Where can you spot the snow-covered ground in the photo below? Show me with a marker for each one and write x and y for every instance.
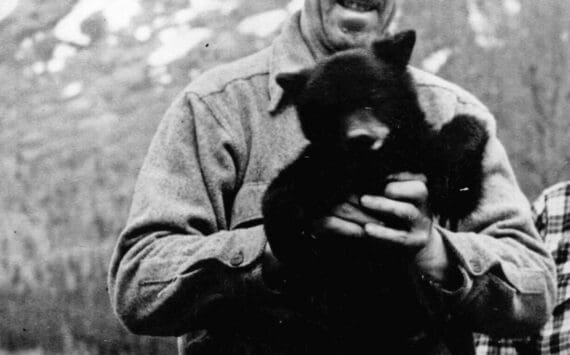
(176, 43)
(512, 7)
(484, 25)
(436, 60)
(176, 38)
(6, 8)
(263, 24)
(117, 13)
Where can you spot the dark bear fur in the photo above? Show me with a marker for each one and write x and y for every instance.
(373, 81)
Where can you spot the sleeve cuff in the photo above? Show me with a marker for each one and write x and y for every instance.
(243, 248)
(444, 300)
(465, 283)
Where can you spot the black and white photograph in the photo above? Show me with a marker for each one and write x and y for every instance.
(285, 177)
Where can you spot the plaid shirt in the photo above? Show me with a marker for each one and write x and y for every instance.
(552, 218)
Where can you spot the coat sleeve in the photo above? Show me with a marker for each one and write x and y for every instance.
(178, 260)
(508, 276)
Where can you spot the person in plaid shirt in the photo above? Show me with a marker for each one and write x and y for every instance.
(552, 219)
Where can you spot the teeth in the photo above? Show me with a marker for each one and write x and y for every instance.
(357, 5)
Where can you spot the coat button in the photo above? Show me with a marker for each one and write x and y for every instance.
(476, 266)
(237, 259)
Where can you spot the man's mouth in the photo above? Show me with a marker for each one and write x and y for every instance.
(359, 5)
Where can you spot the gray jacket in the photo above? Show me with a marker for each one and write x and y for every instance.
(189, 260)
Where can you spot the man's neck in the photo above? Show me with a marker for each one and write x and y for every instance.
(313, 32)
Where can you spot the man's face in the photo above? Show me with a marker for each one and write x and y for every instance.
(354, 23)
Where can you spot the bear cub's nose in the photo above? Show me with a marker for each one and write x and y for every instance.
(364, 142)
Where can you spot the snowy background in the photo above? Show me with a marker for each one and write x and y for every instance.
(84, 84)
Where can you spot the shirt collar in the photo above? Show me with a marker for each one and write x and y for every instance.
(290, 54)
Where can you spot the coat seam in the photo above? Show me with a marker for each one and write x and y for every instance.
(224, 88)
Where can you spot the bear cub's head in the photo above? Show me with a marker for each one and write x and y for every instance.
(361, 104)
(359, 109)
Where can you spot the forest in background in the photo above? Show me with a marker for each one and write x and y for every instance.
(83, 90)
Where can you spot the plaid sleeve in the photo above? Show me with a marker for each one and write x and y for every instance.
(552, 219)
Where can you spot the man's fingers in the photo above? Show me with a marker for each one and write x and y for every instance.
(414, 191)
(337, 227)
(389, 208)
(353, 213)
(407, 176)
(392, 235)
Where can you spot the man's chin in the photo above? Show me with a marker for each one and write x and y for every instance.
(349, 28)
(341, 40)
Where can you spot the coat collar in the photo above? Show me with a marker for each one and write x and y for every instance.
(291, 53)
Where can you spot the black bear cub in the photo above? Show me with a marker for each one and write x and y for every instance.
(359, 110)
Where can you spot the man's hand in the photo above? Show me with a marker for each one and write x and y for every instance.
(401, 216)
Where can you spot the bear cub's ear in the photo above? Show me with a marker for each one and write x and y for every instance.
(293, 83)
(396, 49)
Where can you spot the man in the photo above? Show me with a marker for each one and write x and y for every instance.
(193, 259)
(552, 218)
